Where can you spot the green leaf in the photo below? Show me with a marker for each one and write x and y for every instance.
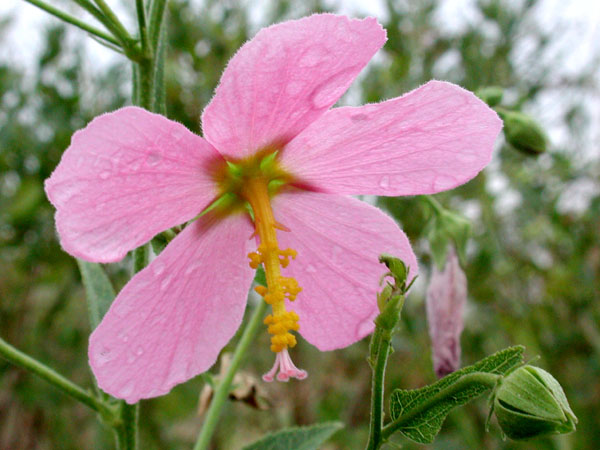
(98, 289)
(298, 438)
(425, 426)
(260, 278)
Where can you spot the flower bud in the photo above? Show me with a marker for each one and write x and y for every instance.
(523, 133)
(492, 95)
(530, 403)
(446, 300)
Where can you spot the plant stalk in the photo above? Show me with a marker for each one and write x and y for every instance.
(222, 391)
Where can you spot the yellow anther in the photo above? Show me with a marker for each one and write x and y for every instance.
(261, 290)
(255, 259)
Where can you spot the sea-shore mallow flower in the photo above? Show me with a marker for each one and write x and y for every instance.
(277, 163)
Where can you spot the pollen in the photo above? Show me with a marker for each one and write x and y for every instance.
(279, 288)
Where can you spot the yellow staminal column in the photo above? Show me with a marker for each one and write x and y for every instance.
(279, 288)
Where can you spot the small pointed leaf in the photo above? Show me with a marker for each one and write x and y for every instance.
(98, 289)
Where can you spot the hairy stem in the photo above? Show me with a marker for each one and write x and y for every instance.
(18, 358)
(380, 351)
(216, 405)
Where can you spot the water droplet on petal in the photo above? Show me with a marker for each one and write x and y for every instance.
(102, 356)
(359, 117)
(139, 351)
(332, 89)
(165, 283)
(158, 268)
(153, 159)
(443, 182)
(311, 269)
(127, 390)
(104, 175)
(312, 57)
(384, 182)
(135, 165)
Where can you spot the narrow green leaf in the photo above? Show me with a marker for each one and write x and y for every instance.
(298, 438)
(98, 289)
(260, 277)
(425, 426)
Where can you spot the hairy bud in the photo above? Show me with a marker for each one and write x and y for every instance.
(446, 300)
(530, 403)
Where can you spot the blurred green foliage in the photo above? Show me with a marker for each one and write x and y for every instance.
(533, 263)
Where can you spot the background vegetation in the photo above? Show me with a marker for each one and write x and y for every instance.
(533, 260)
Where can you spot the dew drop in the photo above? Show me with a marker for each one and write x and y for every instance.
(139, 351)
(443, 182)
(312, 57)
(165, 283)
(135, 165)
(153, 159)
(384, 182)
(358, 117)
(104, 175)
(103, 356)
(311, 269)
(158, 268)
(127, 390)
(331, 90)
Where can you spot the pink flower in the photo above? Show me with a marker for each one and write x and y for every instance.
(271, 141)
(446, 301)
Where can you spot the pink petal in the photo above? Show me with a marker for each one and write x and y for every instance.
(285, 78)
(125, 177)
(434, 138)
(170, 322)
(339, 240)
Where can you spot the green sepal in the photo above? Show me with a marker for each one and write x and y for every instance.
(297, 438)
(426, 425)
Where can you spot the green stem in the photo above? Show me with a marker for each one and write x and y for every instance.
(112, 17)
(216, 405)
(18, 358)
(437, 207)
(141, 14)
(381, 339)
(74, 21)
(157, 12)
(487, 379)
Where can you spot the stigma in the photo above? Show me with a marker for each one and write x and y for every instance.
(281, 323)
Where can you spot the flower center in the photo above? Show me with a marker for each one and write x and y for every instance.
(279, 288)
